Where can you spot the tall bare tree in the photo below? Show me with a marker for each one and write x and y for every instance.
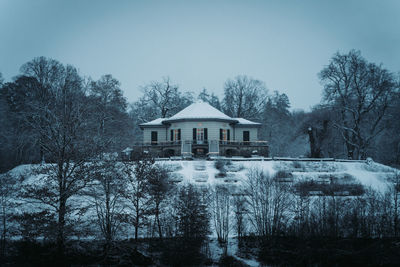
(220, 210)
(361, 93)
(137, 190)
(108, 107)
(61, 124)
(106, 192)
(158, 189)
(244, 97)
(165, 97)
(7, 192)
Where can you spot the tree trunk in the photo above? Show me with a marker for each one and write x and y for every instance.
(3, 235)
(137, 224)
(158, 222)
(60, 230)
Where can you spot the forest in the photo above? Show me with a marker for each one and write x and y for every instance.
(72, 128)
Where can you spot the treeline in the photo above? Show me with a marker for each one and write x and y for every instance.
(357, 117)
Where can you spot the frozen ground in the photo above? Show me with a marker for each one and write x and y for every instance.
(369, 174)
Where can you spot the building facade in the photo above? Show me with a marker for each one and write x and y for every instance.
(201, 130)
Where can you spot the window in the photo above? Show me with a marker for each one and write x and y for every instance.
(224, 135)
(175, 135)
(200, 135)
(246, 136)
(154, 137)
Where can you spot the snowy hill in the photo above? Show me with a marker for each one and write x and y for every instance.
(369, 174)
(311, 178)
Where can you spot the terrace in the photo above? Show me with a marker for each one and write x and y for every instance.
(196, 148)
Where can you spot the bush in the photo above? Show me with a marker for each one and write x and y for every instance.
(283, 174)
(230, 261)
(246, 154)
(353, 189)
(220, 164)
(297, 165)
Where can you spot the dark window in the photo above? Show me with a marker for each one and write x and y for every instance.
(220, 134)
(154, 137)
(179, 134)
(229, 135)
(172, 135)
(194, 134)
(205, 134)
(246, 136)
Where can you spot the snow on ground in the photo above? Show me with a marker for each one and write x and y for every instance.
(369, 174)
(204, 173)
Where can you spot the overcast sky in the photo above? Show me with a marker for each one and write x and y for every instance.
(200, 44)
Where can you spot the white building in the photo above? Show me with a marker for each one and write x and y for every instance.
(201, 129)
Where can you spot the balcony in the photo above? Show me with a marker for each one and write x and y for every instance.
(203, 142)
(202, 148)
(244, 143)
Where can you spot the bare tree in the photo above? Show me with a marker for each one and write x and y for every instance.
(258, 188)
(269, 202)
(61, 124)
(240, 210)
(159, 189)
(244, 97)
(137, 190)
(361, 93)
(220, 210)
(106, 192)
(165, 97)
(7, 192)
(108, 107)
(46, 73)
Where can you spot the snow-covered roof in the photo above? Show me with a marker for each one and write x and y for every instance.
(199, 110)
(246, 122)
(156, 122)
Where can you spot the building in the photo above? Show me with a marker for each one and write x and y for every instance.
(201, 130)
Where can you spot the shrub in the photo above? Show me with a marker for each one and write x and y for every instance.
(283, 174)
(353, 189)
(297, 165)
(219, 164)
(221, 174)
(230, 261)
(246, 154)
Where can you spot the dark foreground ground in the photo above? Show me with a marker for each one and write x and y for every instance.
(272, 252)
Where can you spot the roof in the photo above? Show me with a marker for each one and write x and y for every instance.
(246, 122)
(156, 122)
(199, 110)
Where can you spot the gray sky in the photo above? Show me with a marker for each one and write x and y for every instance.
(200, 43)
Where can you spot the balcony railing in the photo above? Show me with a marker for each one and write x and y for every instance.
(203, 142)
(243, 143)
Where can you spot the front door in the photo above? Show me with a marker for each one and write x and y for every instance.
(246, 137)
